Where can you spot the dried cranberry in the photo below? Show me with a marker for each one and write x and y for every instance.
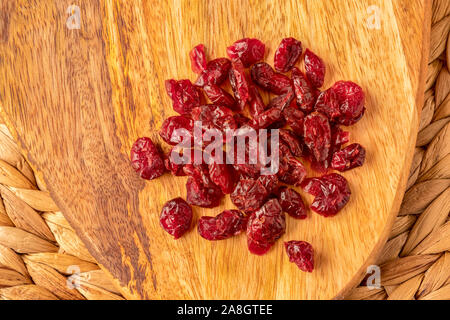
(291, 171)
(146, 159)
(174, 128)
(331, 193)
(219, 96)
(249, 195)
(304, 92)
(265, 226)
(315, 69)
(264, 76)
(350, 97)
(301, 253)
(240, 120)
(257, 105)
(248, 50)
(292, 141)
(198, 58)
(199, 194)
(294, 119)
(215, 73)
(327, 104)
(239, 83)
(176, 217)
(176, 167)
(287, 54)
(291, 202)
(184, 95)
(222, 175)
(273, 113)
(270, 182)
(348, 158)
(214, 117)
(317, 135)
(225, 225)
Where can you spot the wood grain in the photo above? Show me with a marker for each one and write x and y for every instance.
(77, 99)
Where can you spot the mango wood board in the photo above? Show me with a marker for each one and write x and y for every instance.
(76, 99)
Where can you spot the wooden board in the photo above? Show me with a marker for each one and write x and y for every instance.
(77, 99)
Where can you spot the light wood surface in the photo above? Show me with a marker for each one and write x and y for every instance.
(77, 99)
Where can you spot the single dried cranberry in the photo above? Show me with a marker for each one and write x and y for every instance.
(327, 104)
(239, 83)
(315, 69)
(292, 203)
(219, 96)
(304, 92)
(176, 167)
(184, 95)
(317, 135)
(350, 97)
(214, 117)
(176, 217)
(331, 193)
(294, 119)
(292, 141)
(301, 253)
(215, 73)
(256, 103)
(274, 112)
(348, 158)
(198, 58)
(240, 120)
(225, 225)
(146, 159)
(249, 195)
(248, 50)
(291, 171)
(199, 194)
(264, 76)
(270, 182)
(175, 128)
(265, 226)
(222, 175)
(287, 54)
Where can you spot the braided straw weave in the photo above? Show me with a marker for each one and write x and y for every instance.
(42, 258)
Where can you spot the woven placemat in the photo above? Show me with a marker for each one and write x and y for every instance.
(42, 258)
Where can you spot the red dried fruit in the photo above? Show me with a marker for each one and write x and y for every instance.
(249, 195)
(146, 159)
(331, 193)
(274, 112)
(225, 225)
(175, 167)
(176, 217)
(304, 92)
(215, 73)
(174, 128)
(240, 120)
(220, 97)
(350, 97)
(291, 171)
(317, 135)
(198, 58)
(184, 95)
(256, 103)
(294, 118)
(214, 117)
(287, 54)
(199, 194)
(239, 83)
(264, 76)
(348, 158)
(270, 182)
(265, 226)
(248, 50)
(327, 104)
(292, 203)
(301, 253)
(295, 147)
(222, 175)
(315, 69)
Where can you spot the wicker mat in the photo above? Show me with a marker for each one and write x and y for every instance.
(38, 248)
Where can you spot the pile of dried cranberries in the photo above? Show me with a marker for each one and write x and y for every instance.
(309, 121)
